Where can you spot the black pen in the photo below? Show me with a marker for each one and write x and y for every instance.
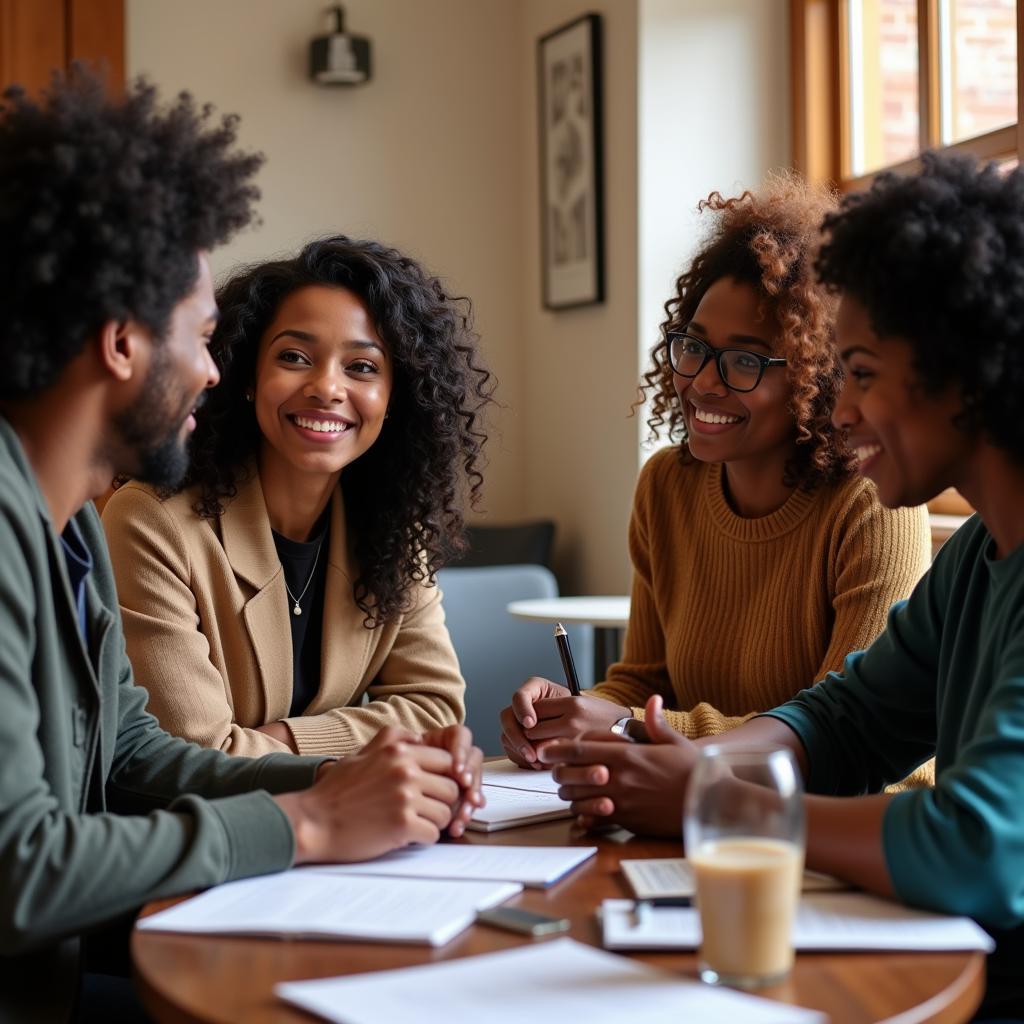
(568, 666)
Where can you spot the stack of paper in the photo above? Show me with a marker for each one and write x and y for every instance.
(836, 921)
(305, 904)
(555, 981)
(517, 796)
(534, 866)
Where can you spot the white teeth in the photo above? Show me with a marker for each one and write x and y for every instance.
(322, 426)
(866, 451)
(714, 417)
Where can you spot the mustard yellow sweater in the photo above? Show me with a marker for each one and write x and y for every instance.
(733, 616)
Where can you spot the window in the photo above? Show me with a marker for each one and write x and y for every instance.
(877, 81)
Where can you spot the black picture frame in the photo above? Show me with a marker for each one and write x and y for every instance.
(570, 119)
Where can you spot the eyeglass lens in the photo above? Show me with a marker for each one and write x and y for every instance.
(740, 369)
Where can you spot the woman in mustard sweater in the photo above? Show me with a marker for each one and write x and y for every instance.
(282, 599)
(760, 557)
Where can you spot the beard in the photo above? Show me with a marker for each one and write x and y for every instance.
(150, 429)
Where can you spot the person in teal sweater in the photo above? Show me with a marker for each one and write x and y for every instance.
(930, 269)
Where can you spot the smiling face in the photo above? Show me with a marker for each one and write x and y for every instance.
(730, 426)
(323, 382)
(904, 439)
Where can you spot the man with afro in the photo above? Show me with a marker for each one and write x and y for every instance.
(107, 211)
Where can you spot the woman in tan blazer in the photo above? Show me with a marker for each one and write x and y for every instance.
(283, 597)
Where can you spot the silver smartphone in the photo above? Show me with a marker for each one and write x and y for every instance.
(527, 922)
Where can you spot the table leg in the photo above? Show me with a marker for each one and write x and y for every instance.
(607, 650)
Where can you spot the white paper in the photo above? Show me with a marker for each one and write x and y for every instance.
(534, 866)
(302, 903)
(507, 808)
(673, 876)
(558, 981)
(836, 921)
(509, 775)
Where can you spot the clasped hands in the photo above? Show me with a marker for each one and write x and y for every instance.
(607, 777)
(399, 789)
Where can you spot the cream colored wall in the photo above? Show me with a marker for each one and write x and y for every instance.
(714, 114)
(425, 156)
(581, 365)
(696, 97)
(438, 155)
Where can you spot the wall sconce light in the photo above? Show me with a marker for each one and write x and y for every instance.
(339, 58)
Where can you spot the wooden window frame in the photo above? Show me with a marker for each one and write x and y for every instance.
(819, 51)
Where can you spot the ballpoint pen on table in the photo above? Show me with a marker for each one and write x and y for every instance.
(568, 666)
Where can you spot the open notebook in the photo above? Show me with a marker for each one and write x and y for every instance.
(517, 796)
(308, 904)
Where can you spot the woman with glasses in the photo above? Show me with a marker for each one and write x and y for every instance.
(760, 557)
(282, 598)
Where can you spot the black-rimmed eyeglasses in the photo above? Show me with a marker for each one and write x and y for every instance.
(739, 368)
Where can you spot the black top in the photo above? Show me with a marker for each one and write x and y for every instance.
(78, 559)
(297, 558)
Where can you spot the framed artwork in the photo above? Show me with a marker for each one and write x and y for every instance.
(572, 198)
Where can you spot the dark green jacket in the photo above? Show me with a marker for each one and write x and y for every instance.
(93, 822)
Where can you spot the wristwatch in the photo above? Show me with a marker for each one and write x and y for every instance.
(632, 729)
(620, 727)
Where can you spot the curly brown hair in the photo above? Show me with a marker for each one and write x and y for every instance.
(767, 239)
(404, 498)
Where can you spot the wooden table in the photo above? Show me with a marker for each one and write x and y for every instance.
(192, 978)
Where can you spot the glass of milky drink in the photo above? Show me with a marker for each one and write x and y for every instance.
(743, 826)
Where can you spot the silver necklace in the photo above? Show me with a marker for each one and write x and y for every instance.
(297, 608)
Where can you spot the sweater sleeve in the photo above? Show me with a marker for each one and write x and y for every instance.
(867, 726)
(419, 687)
(956, 848)
(969, 827)
(169, 652)
(64, 872)
(642, 671)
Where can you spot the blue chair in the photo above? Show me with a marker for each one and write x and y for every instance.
(498, 653)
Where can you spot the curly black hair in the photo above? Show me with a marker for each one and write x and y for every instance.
(104, 205)
(937, 260)
(403, 497)
(767, 239)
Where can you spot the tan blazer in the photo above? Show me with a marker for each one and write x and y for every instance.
(206, 625)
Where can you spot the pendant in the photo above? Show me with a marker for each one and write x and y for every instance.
(296, 610)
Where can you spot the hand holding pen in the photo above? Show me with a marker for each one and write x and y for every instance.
(542, 710)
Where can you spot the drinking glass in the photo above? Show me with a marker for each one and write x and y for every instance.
(743, 825)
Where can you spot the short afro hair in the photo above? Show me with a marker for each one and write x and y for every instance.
(937, 260)
(105, 205)
(767, 239)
